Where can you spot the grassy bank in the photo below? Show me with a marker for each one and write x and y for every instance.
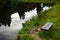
(31, 29)
(43, 1)
(52, 15)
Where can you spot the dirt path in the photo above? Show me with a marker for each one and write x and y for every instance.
(34, 34)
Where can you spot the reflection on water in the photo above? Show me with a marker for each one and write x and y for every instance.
(16, 22)
(30, 14)
(46, 8)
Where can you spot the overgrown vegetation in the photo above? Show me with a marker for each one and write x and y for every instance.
(52, 15)
(44, 1)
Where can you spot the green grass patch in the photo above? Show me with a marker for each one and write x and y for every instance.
(24, 37)
(41, 1)
(52, 15)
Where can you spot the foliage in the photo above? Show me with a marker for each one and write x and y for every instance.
(41, 1)
(52, 15)
(24, 37)
(50, 34)
(32, 23)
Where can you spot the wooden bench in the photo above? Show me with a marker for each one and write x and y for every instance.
(47, 26)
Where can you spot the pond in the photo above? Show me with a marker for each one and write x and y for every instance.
(16, 22)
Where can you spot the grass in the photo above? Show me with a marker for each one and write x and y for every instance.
(44, 1)
(52, 15)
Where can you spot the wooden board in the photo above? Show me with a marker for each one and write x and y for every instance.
(47, 26)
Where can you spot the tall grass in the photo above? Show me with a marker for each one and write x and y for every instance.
(52, 15)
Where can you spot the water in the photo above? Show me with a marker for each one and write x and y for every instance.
(46, 8)
(9, 33)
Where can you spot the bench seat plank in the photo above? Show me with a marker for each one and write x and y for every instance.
(47, 26)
